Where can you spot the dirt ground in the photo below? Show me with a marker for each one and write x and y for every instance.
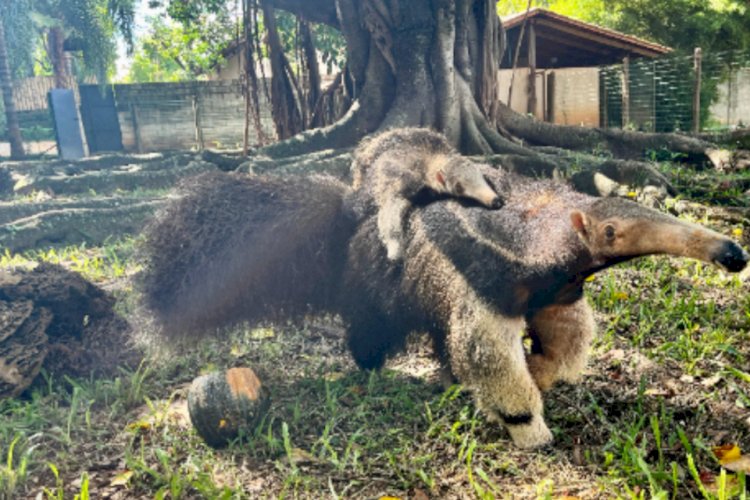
(668, 382)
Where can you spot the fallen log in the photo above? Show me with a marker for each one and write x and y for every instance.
(76, 225)
(106, 181)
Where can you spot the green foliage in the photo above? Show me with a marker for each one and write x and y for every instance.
(331, 45)
(685, 24)
(172, 51)
(717, 25)
(19, 36)
(190, 43)
(89, 27)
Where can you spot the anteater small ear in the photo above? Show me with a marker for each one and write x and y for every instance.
(440, 177)
(580, 223)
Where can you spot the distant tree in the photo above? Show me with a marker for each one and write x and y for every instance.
(684, 24)
(85, 26)
(173, 51)
(20, 36)
(6, 85)
(433, 63)
(719, 25)
(16, 40)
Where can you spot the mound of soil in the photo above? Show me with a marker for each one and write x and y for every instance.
(53, 318)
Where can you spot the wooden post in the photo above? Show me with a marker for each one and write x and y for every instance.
(625, 91)
(531, 107)
(729, 95)
(697, 90)
(244, 64)
(653, 96)
(604, 99)
(197, 122)
(550, 111)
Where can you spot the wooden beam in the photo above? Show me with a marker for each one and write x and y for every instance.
(549, 114)
(548, 35)
(626, 92)
(547, 58)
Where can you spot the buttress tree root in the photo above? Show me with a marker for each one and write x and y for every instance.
(433, 63)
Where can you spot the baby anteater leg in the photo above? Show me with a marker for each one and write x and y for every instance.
(391, 217)
(561, 336)
(487, 356)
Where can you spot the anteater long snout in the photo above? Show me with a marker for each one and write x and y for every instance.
(731, 256)
(683, 239)
(486, 196)
(617, 229)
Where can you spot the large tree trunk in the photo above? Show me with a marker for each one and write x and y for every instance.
(433, 63)
(56, 53)
(11, 118)
(312, 73)
(428, 63)
(284, 107)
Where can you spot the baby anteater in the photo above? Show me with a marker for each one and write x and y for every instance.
(397, 166)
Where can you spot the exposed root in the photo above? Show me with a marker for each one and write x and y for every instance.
(621, 143)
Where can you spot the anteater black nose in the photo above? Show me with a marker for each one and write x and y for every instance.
(732, 257)
(497, 203)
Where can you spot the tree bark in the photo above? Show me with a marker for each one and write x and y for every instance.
(433, 63)
(11, 118)
(284, 106)
(312, 73)
(56, 52)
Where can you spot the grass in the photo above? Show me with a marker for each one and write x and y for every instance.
(97, 264)
(669, 380)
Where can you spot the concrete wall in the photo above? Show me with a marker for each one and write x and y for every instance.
(520, 96)
(159, 116)
(573, 99)
(732, 108)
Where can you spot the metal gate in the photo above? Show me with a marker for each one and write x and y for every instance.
(62, 102)
(99, 116)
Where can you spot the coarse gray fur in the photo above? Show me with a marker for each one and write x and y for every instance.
(234, 249)
(398, 167)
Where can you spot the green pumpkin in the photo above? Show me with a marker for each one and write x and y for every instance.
(221, 404)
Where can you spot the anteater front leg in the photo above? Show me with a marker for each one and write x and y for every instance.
(561, 336)
(487, 356)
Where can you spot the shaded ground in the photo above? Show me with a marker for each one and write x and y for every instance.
(669, 379)
(31, 148)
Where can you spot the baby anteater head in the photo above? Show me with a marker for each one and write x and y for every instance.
(458, 176)
(615, 230)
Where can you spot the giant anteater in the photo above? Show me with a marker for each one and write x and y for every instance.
(236, 248)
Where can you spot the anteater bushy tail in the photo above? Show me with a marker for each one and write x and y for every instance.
(233, 248)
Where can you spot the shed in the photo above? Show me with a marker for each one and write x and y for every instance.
(563, 42)
(557, 75)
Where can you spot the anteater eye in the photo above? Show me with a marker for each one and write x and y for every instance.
(609, 232)
(458, 189)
